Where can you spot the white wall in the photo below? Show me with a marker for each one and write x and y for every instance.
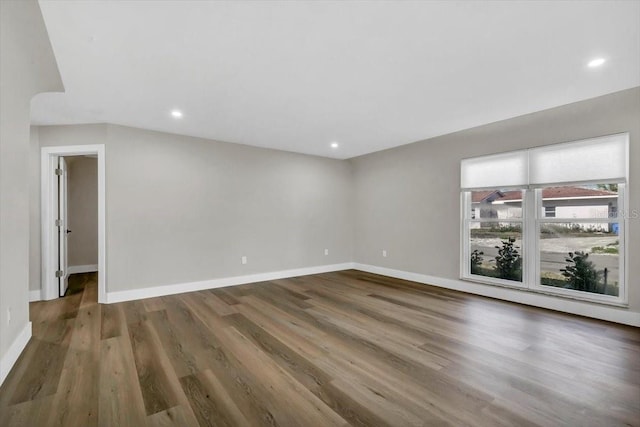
(407, 199)
(27, 67)
(34, 210)
(82, 210)
(182, 209)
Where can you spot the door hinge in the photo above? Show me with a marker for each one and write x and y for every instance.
(58, 223)
(59, 273)
(58, 171)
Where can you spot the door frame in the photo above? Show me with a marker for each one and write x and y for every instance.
(48, 191)
(63, 236)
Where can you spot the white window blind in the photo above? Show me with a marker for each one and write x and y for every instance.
(495, 171)
(599, 159)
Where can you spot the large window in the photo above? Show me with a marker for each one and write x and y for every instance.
(495, 234)
(549, 219)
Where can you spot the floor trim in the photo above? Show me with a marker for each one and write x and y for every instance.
(157, 291)
(75, 269)
(14, 351)
(35, 295)
(612, 314)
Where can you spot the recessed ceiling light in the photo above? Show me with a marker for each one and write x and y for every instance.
(176, 113)
(334, 145)
(596, 62)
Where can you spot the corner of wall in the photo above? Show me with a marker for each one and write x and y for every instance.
(13, 353)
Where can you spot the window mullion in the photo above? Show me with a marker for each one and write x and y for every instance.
(465, 200)
(531, 210)
(623, 199)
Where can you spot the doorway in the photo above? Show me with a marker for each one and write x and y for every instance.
(56, 228)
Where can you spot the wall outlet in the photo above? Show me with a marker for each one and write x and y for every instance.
(326, 251)
(384, 253)
(243, 260)
(8, 315)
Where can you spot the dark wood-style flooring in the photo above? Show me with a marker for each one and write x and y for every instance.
(346, 348)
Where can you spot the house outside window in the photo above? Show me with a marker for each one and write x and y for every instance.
(549, 211)
(548, 219)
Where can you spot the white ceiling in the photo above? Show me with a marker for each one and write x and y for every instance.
(298, 75)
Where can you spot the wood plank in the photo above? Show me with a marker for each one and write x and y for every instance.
(76, 400)
(250, 393)
(157, 391)
(341, 348)
(159, 383)
(134, 311)
(297, 405)
(218, 305)
(114, 323)
(313, 378)
(121, 402)
(177, 416)
(226, 295)
(178, 347)
(155, 304)
(210, 409)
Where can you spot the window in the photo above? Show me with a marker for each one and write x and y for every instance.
(548, 219)
(579, 249)
(495, 234)
(549, 211)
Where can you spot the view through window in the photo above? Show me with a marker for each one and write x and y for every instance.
(580, 249)
(555, 228)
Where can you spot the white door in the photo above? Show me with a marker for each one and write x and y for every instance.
(63, 267)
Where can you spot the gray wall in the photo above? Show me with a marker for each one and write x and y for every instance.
(34, 210)
(27, 67)
(407, 199)
(182, 209)
(82, 210)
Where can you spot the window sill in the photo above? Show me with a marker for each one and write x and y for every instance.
(594, 299)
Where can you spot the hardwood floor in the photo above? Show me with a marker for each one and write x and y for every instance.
(346, 348)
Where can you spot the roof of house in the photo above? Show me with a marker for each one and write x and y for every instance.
(547, 193)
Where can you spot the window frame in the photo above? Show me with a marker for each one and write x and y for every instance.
(572, 293)
(599, 160)
(533, 216)
(466, 247)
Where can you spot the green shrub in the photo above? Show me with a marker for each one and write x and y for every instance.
(476, 261)
(580, 273)
(509, 262)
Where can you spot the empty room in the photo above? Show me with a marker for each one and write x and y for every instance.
(316, 213)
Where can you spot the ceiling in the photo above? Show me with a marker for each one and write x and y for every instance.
(297, 76)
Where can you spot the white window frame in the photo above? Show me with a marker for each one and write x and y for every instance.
(620, 219)
(532, 218)
(466, 247)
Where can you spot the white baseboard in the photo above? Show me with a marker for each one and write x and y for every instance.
(612, 314)
(35, 295)
(75, 269)
(15, 349)
(157, 291)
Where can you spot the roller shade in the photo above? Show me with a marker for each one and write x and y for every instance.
(495, 171)
(602, 159)
(597, 159)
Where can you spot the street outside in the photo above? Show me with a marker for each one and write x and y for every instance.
(554, 252)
